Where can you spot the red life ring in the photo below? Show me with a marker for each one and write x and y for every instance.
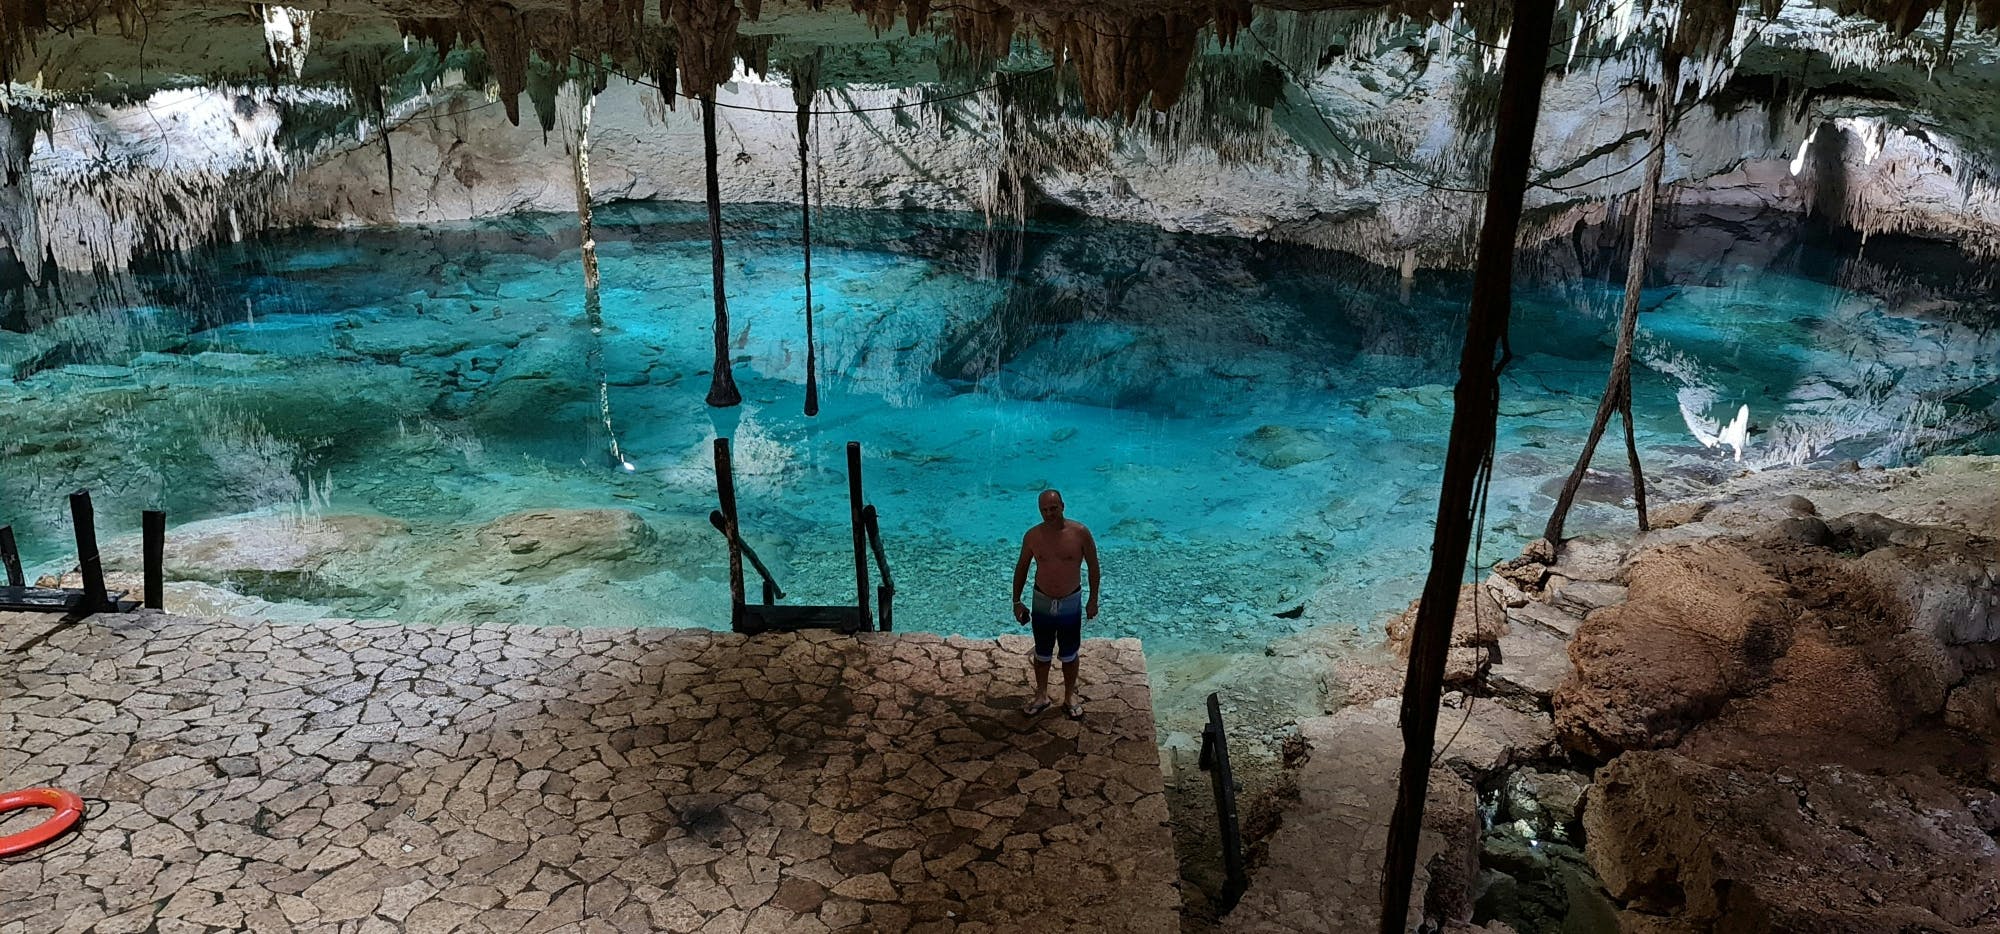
(68, 807)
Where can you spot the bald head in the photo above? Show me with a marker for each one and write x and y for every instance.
(1051, 505)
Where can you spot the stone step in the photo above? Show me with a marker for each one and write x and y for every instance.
(1580, 597)
(1548, 619)
(1532, 664)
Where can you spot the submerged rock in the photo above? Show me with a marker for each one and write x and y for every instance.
(1279, 446)
(552, 539)
(274, 555)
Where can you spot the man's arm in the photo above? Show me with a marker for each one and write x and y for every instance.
(1090, 559)
(1020, 578)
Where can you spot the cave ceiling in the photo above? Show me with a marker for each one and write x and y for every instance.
(1128, 48)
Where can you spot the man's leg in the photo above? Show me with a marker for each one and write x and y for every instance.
(1069, 642)
(1045, 648)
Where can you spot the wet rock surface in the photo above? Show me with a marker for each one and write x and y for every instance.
(368, 775)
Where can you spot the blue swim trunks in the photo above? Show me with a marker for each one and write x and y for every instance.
(1058, 625)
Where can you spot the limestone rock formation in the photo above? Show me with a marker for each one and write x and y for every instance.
(1798, 712)
(1704, 622)
(1823, 848)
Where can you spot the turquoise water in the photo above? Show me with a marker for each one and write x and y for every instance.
(1249, 429)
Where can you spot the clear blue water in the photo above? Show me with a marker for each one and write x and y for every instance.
(1248, 428)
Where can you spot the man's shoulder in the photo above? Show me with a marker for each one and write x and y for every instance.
(1075, 526)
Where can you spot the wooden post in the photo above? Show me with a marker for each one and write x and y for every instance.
(725, 489)
(854, 507)
(10, 555)
(88, 562)
(153, 534)
(1215, 760)
(1618, 385)
(1475, 409)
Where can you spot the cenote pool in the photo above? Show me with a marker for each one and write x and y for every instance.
(1250, 429)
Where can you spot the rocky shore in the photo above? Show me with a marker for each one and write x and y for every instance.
(1776, 711)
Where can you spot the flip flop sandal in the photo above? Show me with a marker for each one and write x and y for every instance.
(1076, 711)
(1034, 707)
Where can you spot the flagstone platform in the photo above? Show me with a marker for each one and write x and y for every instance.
(374, 777)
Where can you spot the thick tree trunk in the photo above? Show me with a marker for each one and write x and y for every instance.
(1475, 408)
(1617, 396)
(721, 385)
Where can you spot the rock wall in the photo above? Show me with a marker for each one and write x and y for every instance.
(460, 159)
(1308, 130)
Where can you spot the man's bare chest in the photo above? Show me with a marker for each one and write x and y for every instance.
(1065, 547)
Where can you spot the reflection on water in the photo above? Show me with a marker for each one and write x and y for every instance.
(1247, 427)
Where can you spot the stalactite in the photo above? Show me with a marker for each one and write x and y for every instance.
(805, 83)
(287, 37)
(506, 43)
(707, 33)
(593, 302)
(365, 74)
(20, 22)
(722, 391)
(130, 194)
(19, 227)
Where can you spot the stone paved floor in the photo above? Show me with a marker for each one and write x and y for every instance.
(368, 776)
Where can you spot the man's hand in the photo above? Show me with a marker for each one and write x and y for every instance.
(1090, 609)
(1020, 613)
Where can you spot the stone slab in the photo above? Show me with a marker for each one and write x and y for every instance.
(366, 775)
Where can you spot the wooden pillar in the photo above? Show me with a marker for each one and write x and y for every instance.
(854, 506)
(725, 490)
(10, 556)
(153, 544)
(89, 564)
(1475, 408)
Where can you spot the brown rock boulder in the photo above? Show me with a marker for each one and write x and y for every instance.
(1476, 628)
(1701, 623)
(1823, 849)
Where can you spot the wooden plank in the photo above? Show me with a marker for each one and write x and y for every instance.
(39, 599)
(787, 618)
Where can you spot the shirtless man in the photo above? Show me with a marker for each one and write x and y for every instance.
(1058, 547)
